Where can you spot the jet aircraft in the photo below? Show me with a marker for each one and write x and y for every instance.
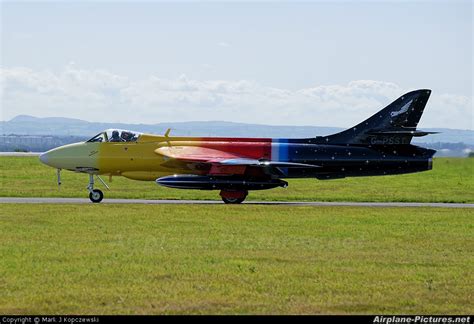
(380, 145)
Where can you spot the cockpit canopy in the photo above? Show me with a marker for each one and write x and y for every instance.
(116, 135)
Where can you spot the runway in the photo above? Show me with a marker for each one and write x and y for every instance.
(17, 200)
(20, 154)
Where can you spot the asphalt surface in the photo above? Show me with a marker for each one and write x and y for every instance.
(19, 153)
(16, 200)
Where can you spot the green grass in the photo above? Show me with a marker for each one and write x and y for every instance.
(155, 259)
(451, 180)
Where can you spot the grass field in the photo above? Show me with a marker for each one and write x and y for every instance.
(180, 259)
(154, 259)
(451, 180)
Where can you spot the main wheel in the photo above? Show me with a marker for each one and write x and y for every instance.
(233, 197)
(232, 200)
(96, 196)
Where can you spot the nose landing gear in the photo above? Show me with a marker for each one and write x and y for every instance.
(95, 195)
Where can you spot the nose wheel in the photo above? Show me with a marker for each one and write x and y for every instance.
(96, 196)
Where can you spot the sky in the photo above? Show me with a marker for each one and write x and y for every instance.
(279, 63)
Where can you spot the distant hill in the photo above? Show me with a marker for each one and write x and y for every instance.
(59, 126)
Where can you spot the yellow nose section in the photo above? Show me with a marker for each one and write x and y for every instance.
(81, 157)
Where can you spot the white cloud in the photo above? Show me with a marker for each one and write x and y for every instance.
(224, 44)
(103, 96)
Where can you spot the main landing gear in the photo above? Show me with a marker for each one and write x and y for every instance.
(233, 197)
(95, 195)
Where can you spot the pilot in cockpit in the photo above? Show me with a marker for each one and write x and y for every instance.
(127, 136)
(116, 137)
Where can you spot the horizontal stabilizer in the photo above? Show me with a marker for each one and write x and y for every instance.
(414, 133)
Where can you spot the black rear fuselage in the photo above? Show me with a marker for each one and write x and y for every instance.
(339, 161)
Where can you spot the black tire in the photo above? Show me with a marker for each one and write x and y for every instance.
(233, 200)
(96, 196)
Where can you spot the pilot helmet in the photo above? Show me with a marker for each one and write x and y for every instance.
(126, 135)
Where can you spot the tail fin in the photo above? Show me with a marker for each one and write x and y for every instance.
(395, 124)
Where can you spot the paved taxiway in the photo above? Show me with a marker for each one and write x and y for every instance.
(16, 200)
(19, 154)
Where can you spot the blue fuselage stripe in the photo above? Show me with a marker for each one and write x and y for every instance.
(283, 150)
(280, 149)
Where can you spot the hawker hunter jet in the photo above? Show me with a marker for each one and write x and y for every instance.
(379, 145)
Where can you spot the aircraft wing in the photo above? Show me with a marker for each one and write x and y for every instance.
(194, 154)
(221, 162)
(266, 163)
